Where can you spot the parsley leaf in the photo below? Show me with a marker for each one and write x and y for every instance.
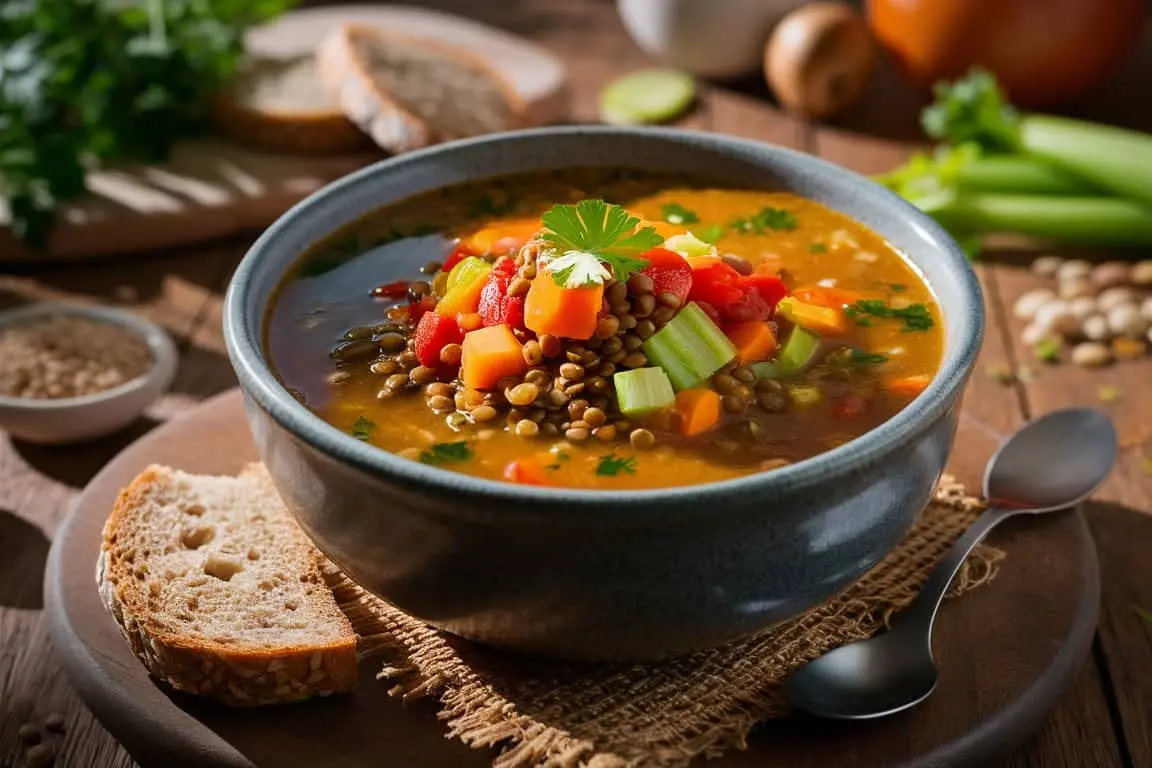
(363, 428)
(710, 234)
(897, 287)
(612, 465)
(596, 228)
(859, 357)
(674, 213)
(577, 269)
(916, 317)
(768, 218)
(447, 453)
(817, 248)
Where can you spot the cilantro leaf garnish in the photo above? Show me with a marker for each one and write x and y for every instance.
(817, 248)
(916, 317)
(859, 356)
(897, 287)
(447, 453)
(674, 213)
(768, 218)
(594, 228)
(362, 429)
(710, 234)
(612, 465)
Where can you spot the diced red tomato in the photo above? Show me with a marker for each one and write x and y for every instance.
(458, 254)
(717, 283)
(770, 287)
(749, 307)
(669, 272)
(710, 310)
(850, 406)
(433, 333)
(496, 306)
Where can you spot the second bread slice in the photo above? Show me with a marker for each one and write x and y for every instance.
(407, 92)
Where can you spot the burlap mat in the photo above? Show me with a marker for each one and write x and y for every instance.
(544, 713)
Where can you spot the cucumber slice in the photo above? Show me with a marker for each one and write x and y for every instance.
(646, 96)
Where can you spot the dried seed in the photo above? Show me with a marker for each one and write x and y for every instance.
(550, 345)
(576, 408)
(744, 374)
(616, 293)
(738, 263)
(408, 359)
(1090, 354)
(645, 328)
(644, 305)
(772, 402)
(621, 307)
(608, 327)
(450, 354)
(616, 357)
(1126, 320)
(396, 381)
(576, 434)
(580, 424)
(522, 394)
(438, 388)
(422, 374)
(598, 385)
(528, 270)
(519, 286)
(595, 417)
(1095, 327)
(639, 284)
(642, 439)
(549, 430)
(557, 398)
(359, 332)
(733, 403)
(483, 414)
(1046, 266)
(390, 343)
(1029, 303)
(1141, 273)
(627, 322)
(768, 385)
(384, 367)
(612, 346)
(431, 268)
(632, 342)
(663, 315)
(385, 393)
(1114, 297)
(1073, 269)
(338, 377)
(352, 351)
(589, 358)
(605, 434)
(724, 384)
(419, 288)
(606, 369)
(527, 428)
(669, 300)
(441, 404)
(538, 376)
(574, 354)
(537, 414)
(634, 360)
(1073, 288)
(574, 389)
(533, 355)
(1110, 273)
(571, 371)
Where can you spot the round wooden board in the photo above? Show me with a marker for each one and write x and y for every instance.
(1006, 653)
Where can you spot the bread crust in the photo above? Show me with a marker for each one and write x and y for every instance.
(235, 676)
(391, 125)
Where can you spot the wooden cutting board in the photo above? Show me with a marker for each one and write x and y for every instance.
(1006, 653)
(213, 188)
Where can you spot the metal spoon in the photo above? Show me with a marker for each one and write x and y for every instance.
(1052, 463)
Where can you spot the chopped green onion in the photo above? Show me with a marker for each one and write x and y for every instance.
(690, 348)
(688, 244)
(643, 391)
(710, 234)
(798, 352)
(674, 213)
(805, 395)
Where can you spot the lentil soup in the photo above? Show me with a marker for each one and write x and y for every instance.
(605, 329)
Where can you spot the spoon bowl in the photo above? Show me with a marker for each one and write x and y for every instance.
(1052, 463)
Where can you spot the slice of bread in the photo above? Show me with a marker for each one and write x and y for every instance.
(220, 593)
(279, 104)
(407, 92)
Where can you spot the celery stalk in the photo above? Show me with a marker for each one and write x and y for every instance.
(690, 348)
(643, 391)
(798, 351)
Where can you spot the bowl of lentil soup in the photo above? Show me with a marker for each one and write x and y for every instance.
(604, 393)
(70, 373)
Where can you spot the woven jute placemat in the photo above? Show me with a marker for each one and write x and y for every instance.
(664, 714)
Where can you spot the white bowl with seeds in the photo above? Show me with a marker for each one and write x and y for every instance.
(71, 373)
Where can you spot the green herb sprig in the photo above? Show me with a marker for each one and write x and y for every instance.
(447, 453)
(916, 317)
(612, 465)
(363, 428)
(89, 82)
(674, 213)
(589, 234)
(768, 218)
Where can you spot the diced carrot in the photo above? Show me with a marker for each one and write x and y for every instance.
(822, 296)
(570, 313)
(910, 385)
(489, 355)
(699, 410)
(463, 293)
(469, 321)
(701, 262)
(754, 341)
(528, 471)
(519, 230)
(813, 317)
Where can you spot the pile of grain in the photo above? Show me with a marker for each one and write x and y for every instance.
(68, 355)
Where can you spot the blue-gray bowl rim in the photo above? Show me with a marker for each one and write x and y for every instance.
(245, 350)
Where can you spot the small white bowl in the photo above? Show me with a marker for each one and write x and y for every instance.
(73, 419)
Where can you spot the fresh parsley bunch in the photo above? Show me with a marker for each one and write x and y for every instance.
(87, 82)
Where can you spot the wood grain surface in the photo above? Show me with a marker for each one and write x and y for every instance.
(1103, 721)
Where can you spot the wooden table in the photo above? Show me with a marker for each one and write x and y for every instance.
(1105, 720)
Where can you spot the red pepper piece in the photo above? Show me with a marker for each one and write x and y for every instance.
(669, 272)
(749, 307)
(710, 310)
(496, 306)
(718, 284)
(770, 287)
(458, 254)
(417, 309)
(396, 290)
(433, 333)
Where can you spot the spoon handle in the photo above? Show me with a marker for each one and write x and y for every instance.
(923, 609)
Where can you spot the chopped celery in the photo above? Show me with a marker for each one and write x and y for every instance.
(766, 370)
(690, 348)
(688, 244)
(804, 395)
(467, 270)
(643, 391)
(798, 351)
